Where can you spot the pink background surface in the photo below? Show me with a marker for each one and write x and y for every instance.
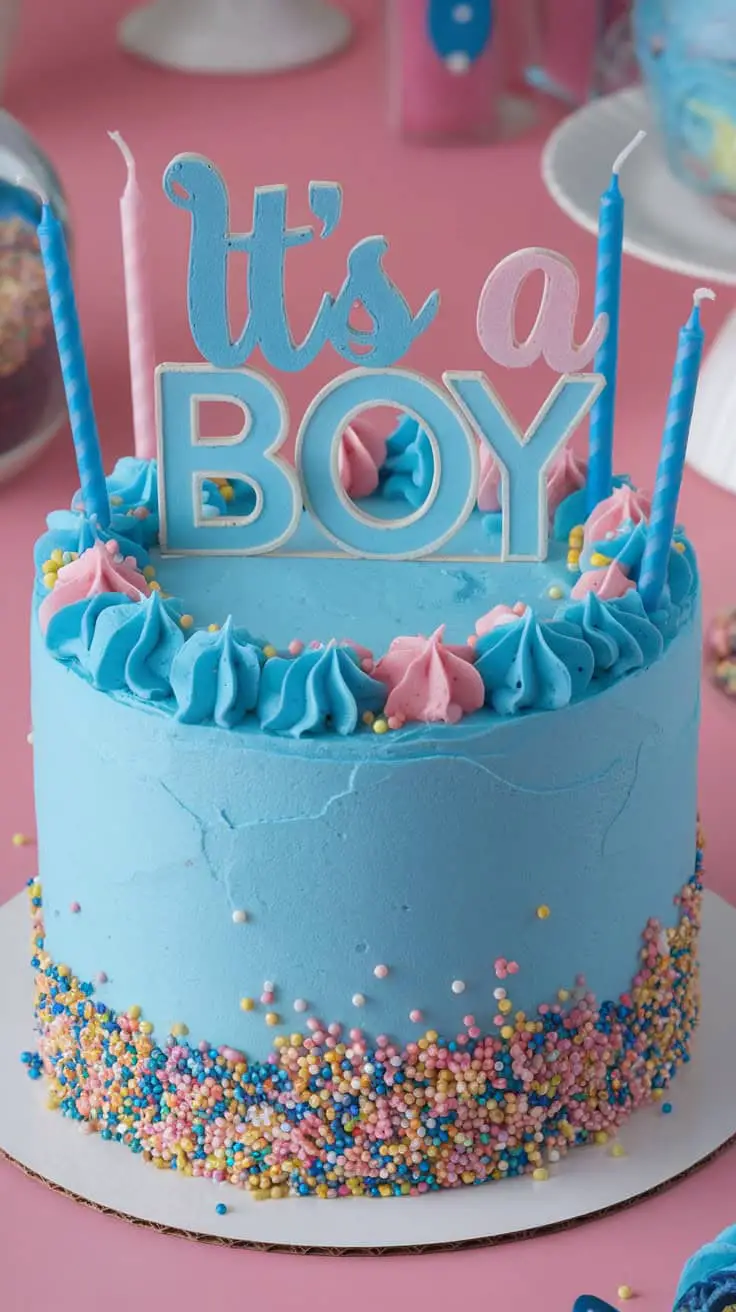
(450, 215)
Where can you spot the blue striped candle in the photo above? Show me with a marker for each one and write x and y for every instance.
(655, 561)
(73, 366)
(607, 301)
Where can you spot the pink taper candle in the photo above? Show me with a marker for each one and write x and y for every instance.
(140, 330)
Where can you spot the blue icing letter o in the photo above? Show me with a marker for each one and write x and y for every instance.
(453, 490)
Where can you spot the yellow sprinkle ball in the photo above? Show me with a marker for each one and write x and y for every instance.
(540, 1173)
(618, 1150)
(227, 492)
(134, 1012)
(213, 628)
(507, 1032)
(679, 546)
(563, 995)
(154, 586)
(149, 572)
(247, 1004)
(146, 1027)
(543, 912)
(20, 840)
(598, 559)
(601, 1136)
(504, 1006)
(269, 651)
(49, 579)
(555, 592)
(272, 1018)
(368, 717)
(380, 725)
(179, 1029)
(186, 621)
(625, 1292)
(576, 535)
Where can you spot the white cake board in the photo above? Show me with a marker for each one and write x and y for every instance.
(235, 36)
(668, 225)
(659, 1148)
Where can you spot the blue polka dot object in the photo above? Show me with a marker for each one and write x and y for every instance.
(687, 54)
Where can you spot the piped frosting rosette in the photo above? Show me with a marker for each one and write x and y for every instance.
(616, 571)
(708, 1280)
(429, 681)
(322, 689)
(530, 664)
(216, 676)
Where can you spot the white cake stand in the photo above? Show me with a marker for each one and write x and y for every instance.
(658, 1149)
(667, 225)
(235, 36)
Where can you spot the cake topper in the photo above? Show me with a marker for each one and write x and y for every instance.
(455, 416)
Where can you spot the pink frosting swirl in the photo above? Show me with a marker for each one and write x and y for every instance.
(496, 616)
(100, 568)
(429, 681)
(625, 505)
(489, 480)
(607, 583)
(362, 452)
(566, 475)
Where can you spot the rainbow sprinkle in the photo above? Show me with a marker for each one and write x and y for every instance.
(333, 1116)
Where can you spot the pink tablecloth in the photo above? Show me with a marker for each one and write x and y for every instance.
(450, 215)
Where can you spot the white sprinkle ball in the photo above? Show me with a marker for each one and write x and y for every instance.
(239, 917)
(300, 1004)
(358, 999)
(458, 986)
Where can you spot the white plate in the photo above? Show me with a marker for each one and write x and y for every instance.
(658, 1148)
(666, 223)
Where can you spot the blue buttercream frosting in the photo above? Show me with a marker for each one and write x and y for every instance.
(216, 676)
(321, 689)
(530, 664)
(71, 630)
(708, 1280)
(133, 485)
(408, 470)
(676, 602)
(71, 530)
(133, 647)
(619, 633)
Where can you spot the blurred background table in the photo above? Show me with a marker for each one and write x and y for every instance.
(450, 215)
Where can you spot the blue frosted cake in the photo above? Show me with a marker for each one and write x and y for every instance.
(366, 870)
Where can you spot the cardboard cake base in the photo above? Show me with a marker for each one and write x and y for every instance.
(659, 1148)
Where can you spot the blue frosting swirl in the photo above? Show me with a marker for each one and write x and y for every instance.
(407, 472)
(216, 676)
(678, 596)
(619, 633)
(71, 629)
(133, 647)
(71, 530)
(133, 485)
(708, 1280)
(530, 664)
(323, 690)
(591, 1303)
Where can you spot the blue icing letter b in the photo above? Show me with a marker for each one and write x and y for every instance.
(186, 460)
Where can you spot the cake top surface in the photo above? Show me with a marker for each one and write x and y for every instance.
(451, 566)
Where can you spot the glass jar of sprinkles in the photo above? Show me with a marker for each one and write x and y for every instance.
(32, 405)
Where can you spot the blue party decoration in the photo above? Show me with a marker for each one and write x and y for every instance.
(523, 457)
(452, 493)
(184, 466)
(194, 184)
(459, 32)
